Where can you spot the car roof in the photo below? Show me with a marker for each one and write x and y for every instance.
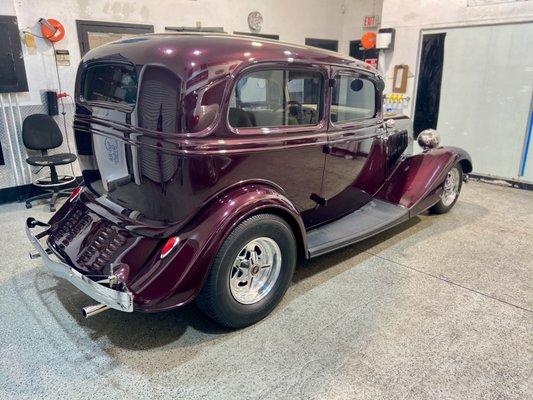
(194, 49)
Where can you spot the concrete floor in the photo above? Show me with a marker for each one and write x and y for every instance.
(438, 308)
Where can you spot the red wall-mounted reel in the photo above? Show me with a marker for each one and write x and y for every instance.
(368, 41)
(52, 29)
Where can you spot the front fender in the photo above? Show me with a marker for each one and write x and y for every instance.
(416, 182)
(178, 278)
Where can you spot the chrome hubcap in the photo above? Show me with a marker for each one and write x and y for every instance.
(255, 270)
(451, 187)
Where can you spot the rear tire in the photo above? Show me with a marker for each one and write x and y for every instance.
(452, 189)
(229, 295)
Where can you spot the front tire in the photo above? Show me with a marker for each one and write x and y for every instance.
(450, 194)
(251, 272)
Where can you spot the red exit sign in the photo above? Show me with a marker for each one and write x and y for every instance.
(370, 21)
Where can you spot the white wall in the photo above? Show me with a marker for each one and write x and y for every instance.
(292, 20)
(409, 17)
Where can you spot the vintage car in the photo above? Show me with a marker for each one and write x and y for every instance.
(212, 162)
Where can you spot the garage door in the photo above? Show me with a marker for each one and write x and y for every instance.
(486, 97)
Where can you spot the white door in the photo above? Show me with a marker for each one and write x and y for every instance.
(486, 96)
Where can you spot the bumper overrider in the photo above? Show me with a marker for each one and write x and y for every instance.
(103, 289)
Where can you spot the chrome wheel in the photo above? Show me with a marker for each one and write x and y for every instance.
(451, 187)
(255, 270)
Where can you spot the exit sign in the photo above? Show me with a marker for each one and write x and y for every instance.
(370, 21)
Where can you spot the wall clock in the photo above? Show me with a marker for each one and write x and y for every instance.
(255, 21)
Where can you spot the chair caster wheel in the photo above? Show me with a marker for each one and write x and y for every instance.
(52, 209)
(28, 205)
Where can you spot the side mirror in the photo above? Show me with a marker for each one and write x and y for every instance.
(428, 139)
(356, 85)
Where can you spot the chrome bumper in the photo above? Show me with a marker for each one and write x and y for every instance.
(119, 300)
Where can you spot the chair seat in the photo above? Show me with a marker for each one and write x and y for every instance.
(53, 159)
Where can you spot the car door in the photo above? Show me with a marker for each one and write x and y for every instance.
(356, 157)
(277, 112)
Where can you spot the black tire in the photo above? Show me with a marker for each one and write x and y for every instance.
(440, 207)
(216, 299)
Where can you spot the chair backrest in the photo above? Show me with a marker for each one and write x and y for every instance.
(40, 132)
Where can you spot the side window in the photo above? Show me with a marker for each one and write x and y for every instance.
(273, 98)
(254, 89)
(353, 99)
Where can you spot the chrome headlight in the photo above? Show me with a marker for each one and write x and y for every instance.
(428, 139)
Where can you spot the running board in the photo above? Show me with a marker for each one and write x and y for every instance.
(374, 217)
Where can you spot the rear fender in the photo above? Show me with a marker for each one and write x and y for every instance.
(416, 182)
(177, 279)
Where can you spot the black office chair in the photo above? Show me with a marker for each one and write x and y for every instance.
(40, 132)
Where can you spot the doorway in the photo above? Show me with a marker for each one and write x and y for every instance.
(475, 88)
(429, 83)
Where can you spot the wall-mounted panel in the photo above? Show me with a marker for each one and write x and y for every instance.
(12, 70)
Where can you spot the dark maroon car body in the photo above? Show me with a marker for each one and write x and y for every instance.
(200, 177)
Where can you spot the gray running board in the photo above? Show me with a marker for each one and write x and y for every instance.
(374, 217)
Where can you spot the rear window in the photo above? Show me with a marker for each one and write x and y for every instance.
(111, 84)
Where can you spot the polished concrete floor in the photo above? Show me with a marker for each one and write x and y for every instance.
(438, 308)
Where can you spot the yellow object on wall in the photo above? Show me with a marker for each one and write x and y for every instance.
(29, 41)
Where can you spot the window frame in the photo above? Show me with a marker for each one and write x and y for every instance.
(322, 43)
(262, 130)
(80, 85)
(83, 28)
(362, 121)
(259, 35)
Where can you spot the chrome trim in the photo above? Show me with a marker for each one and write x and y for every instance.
(63, 180)
(119, 300)
(255, 270)
(91, 311)
(428, 139)
(451, 187)
(390, 123)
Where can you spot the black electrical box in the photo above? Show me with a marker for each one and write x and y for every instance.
(51, 100)
(12, 70)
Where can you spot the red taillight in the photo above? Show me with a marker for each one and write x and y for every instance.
(75, 193)
(194, 120)
(169, 246)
